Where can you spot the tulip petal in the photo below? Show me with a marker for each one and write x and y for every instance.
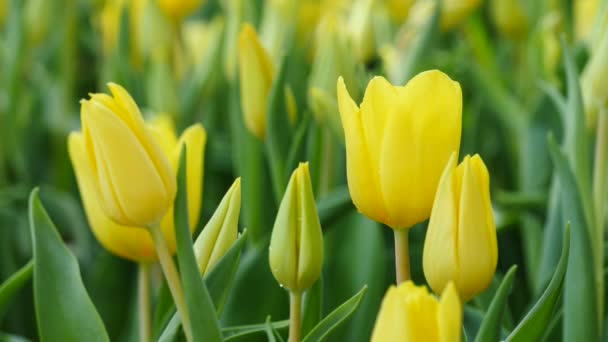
(310, 258)
(163, 129)
(391, 324)
(421, 132)
(420, 314)
(449, 315)
(363, 182)
(133, 243)
(483, 177)
(124, 169)
(440, 258)
(475, 254)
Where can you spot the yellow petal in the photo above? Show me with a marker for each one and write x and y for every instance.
(363, 182)
(133, 243)
(421, 133)
(450, 315)
(439, 259)
(421, 315)
(163, 129)
(125, 170)
(391, 324)
(475, 254)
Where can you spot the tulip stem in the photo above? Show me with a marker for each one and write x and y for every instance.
(295, 319)
(172, 277)
(143, 292)
(402, 255)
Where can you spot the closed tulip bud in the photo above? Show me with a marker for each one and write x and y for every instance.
(398, 9)
(454, 12)
(594, 81)
(176, 10)
(36, 18)
(360, 25)
(585, 12)
(296, 244)
(460, 244)
(409, 313)
(135, 242)
(134, 180)
(397, 144)
(221, 231)
(509, 18)
(256, 74)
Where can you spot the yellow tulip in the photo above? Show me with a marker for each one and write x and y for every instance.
(256, 74)
(453, 12)
(133, 242)
(398, 9)
(221, 231)
(409, 313)
(176, 10)
(460, 244)
(585, 12)
(134, 180)
(296, 243)
(397, 144)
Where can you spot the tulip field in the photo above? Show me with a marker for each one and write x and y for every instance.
(303, 170)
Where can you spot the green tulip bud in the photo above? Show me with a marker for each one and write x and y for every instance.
(296, 244)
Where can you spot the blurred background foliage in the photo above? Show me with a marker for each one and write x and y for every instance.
(506, 55)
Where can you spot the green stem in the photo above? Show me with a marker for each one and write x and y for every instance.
(327, 164)
(295, 319)
(172, 277)
(402, 255)
(143, 292)
(600, 173)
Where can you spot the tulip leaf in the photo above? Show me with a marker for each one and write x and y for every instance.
(271, 333)
(245, 332)
(64, 310)
(205, 326)
(533, 326)
(334, 206)
(298, 145)
(312, 303)
(580, 292)
(13, 284)
(12, 338)
(278, 132)
(335, 318)
(491, 323)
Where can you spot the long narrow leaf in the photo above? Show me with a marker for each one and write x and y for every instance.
(490, 326)
(13, 284)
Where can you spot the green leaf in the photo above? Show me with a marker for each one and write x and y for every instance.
(491, 323)
(334, 205)
(534, 324)
(335, 318)
(312, 306)
(245, 332)
(271, 333)
(64, 310)
(278, 132)
(13, 284)
(298, 145)
(12, 338)
(205, 326)
(580, 292)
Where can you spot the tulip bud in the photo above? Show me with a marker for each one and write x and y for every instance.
(409, 313)
(36, 18)
(594, 80)
(256, 74)
(360, 25)
(221, 231)
(296, 244)
(460, 244)
(453, 12)
(135, 242)
(585, 12)
(237, 12)
(176, 10)
(509, 18)
(397, 144)
(277, 26)
(134, 180)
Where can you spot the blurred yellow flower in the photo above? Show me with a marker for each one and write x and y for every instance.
(460, 244)
(132, 242)
(409, 313)
(221, 231)
(296, 244)
(453, 12)
(585, 12)
(176, 10)
(256, 74)
(397, 144)
(4, 9)
(509, 18)
(133, 177)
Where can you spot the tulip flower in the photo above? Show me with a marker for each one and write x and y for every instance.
(132, 176)
(256, 74)
(510, 18)
(594, 80)
(409, 313)
(397, 144)
(585, 13)
(176, 10)
(460, 244)
(134, 242)
(296, 244)
(221, 231)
